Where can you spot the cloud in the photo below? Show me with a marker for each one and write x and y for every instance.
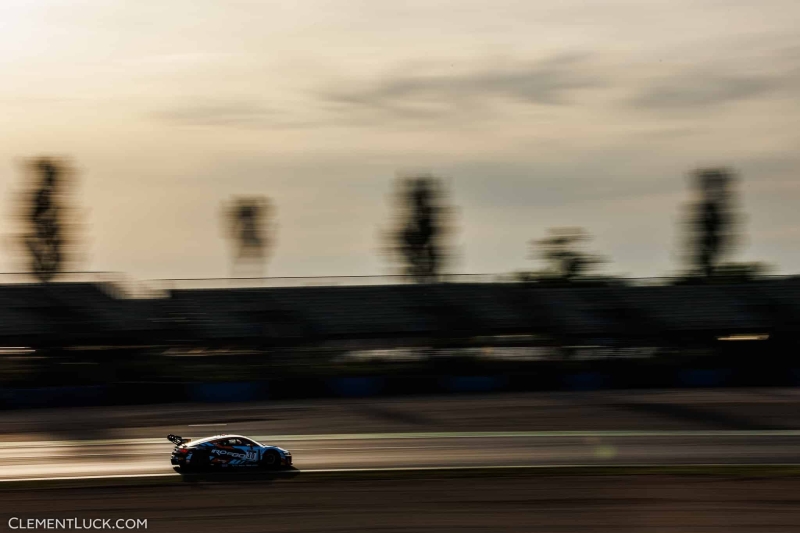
(702, 87)
(404, 96)
(699, 89)
(239, 113)
(433, 95)
(457, 94)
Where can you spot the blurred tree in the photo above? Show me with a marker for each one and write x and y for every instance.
(418, 240)
(712, 222)
(49, 223)
(561, 250)
(250, 228)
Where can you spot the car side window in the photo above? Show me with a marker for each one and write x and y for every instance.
(222, 442)
(234, 442)
(247, 442)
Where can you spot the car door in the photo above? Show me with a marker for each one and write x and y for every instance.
(221, 453)
(238, 451)
(250, 449)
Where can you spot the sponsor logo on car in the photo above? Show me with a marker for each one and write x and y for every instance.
(247, 456)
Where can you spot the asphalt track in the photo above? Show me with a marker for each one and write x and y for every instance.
(475, 503)
(472, 463)
(601, 429)
(414, 450)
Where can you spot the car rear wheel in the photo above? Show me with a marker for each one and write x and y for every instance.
(186, 469)
(271, 460)
(199, 462)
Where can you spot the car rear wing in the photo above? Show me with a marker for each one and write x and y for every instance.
(175, 439)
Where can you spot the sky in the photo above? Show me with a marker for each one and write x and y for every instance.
(538, 114)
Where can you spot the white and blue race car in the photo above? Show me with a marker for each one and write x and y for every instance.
(226, 452)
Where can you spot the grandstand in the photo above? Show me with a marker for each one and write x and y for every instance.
(68, 314)
(65, 314)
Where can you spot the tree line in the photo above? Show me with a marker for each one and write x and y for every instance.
(419, 241)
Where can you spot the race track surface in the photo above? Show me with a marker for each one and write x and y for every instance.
(610, 428)
(387, 451)
(96, 447)
(565, 504)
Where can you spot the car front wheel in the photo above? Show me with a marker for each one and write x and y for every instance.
(271, 460)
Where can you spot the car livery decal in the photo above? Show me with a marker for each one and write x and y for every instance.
(215, 451)
(247, 456)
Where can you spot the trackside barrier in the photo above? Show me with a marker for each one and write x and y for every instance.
(356, 386)
(372, 386)
(474, 383)
(55, 396)
(226, 392)
(709, 377)
(586, 381)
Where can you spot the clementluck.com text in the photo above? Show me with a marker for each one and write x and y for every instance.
(77, 523)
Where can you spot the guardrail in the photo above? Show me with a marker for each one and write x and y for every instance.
(123, 286)
(340, 281)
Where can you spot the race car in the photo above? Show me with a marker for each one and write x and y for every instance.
(226, 452)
